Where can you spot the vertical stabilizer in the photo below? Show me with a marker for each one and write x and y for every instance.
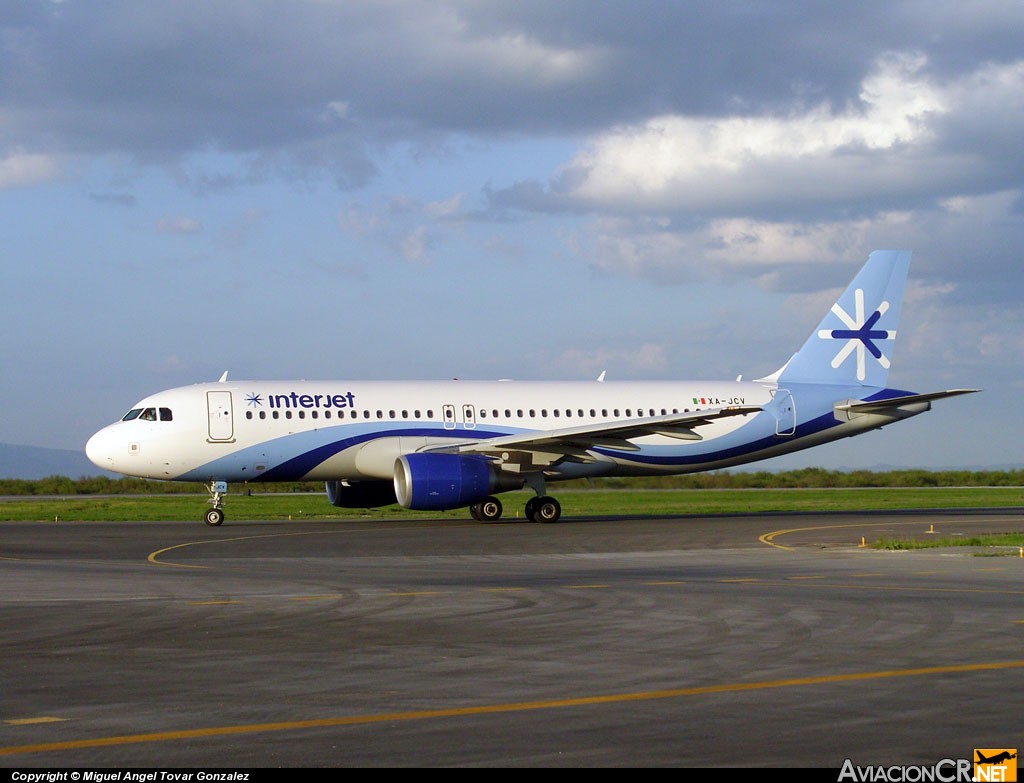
(853, 344)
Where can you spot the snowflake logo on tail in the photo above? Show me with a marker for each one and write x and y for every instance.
(860, 334)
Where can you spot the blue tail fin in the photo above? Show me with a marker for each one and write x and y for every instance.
(854, 341)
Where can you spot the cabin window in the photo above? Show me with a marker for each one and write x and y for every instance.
(287, 414)
(405, 414)
(276, 414)
(391, 414)
(248, 414)
(430, 413)
(302, 414)
(380, 414)
(555, 413)
(263, 414)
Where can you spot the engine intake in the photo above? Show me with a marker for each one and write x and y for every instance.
(437, 482)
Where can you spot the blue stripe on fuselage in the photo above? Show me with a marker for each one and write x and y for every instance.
(746, 448)
(235, 466)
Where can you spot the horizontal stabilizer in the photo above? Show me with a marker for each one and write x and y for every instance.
(878, 406)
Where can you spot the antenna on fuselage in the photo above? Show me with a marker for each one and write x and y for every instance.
(600, 378)
(224, 377)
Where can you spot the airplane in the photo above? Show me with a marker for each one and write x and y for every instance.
(996, 759)
(439, 445)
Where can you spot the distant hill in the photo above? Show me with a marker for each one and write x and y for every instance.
(33, 462)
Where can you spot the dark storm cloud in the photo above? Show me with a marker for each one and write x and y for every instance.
(154, 79)
(752, 94)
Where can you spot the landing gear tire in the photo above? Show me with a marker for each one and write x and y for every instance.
(531, 508)
(543, 509)
(214, 517)
(487, 510)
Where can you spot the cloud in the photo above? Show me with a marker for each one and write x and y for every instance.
(788, 255)
(451, 208)
(413, 245)
(916, 161)
(307, 89)
(403, 225)
(178, 225)
(20, 169)
(871, 149)
(117, 199)
(638, 360)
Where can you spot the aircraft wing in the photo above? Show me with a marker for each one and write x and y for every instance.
(880, 406)
(574, 442)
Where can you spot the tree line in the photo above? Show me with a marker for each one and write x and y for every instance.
(804, 478)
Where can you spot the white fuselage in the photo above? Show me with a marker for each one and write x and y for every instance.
(355, 430)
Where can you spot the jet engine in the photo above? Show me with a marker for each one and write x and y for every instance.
(436, 482)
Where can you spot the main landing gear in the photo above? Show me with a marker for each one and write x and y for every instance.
(215, 515)
(538, 509)
(488, 510)
(543, 509)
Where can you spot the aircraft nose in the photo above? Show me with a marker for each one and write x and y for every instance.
(99, 450)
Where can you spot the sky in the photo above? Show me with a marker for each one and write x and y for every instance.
(531, 190)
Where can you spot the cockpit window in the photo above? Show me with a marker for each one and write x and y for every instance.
(149, 414)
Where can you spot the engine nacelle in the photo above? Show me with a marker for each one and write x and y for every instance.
(436, 482)
(360, 494)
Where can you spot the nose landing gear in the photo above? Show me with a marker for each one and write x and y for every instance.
(215, 515)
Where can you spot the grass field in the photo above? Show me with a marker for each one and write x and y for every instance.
(575, 503)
